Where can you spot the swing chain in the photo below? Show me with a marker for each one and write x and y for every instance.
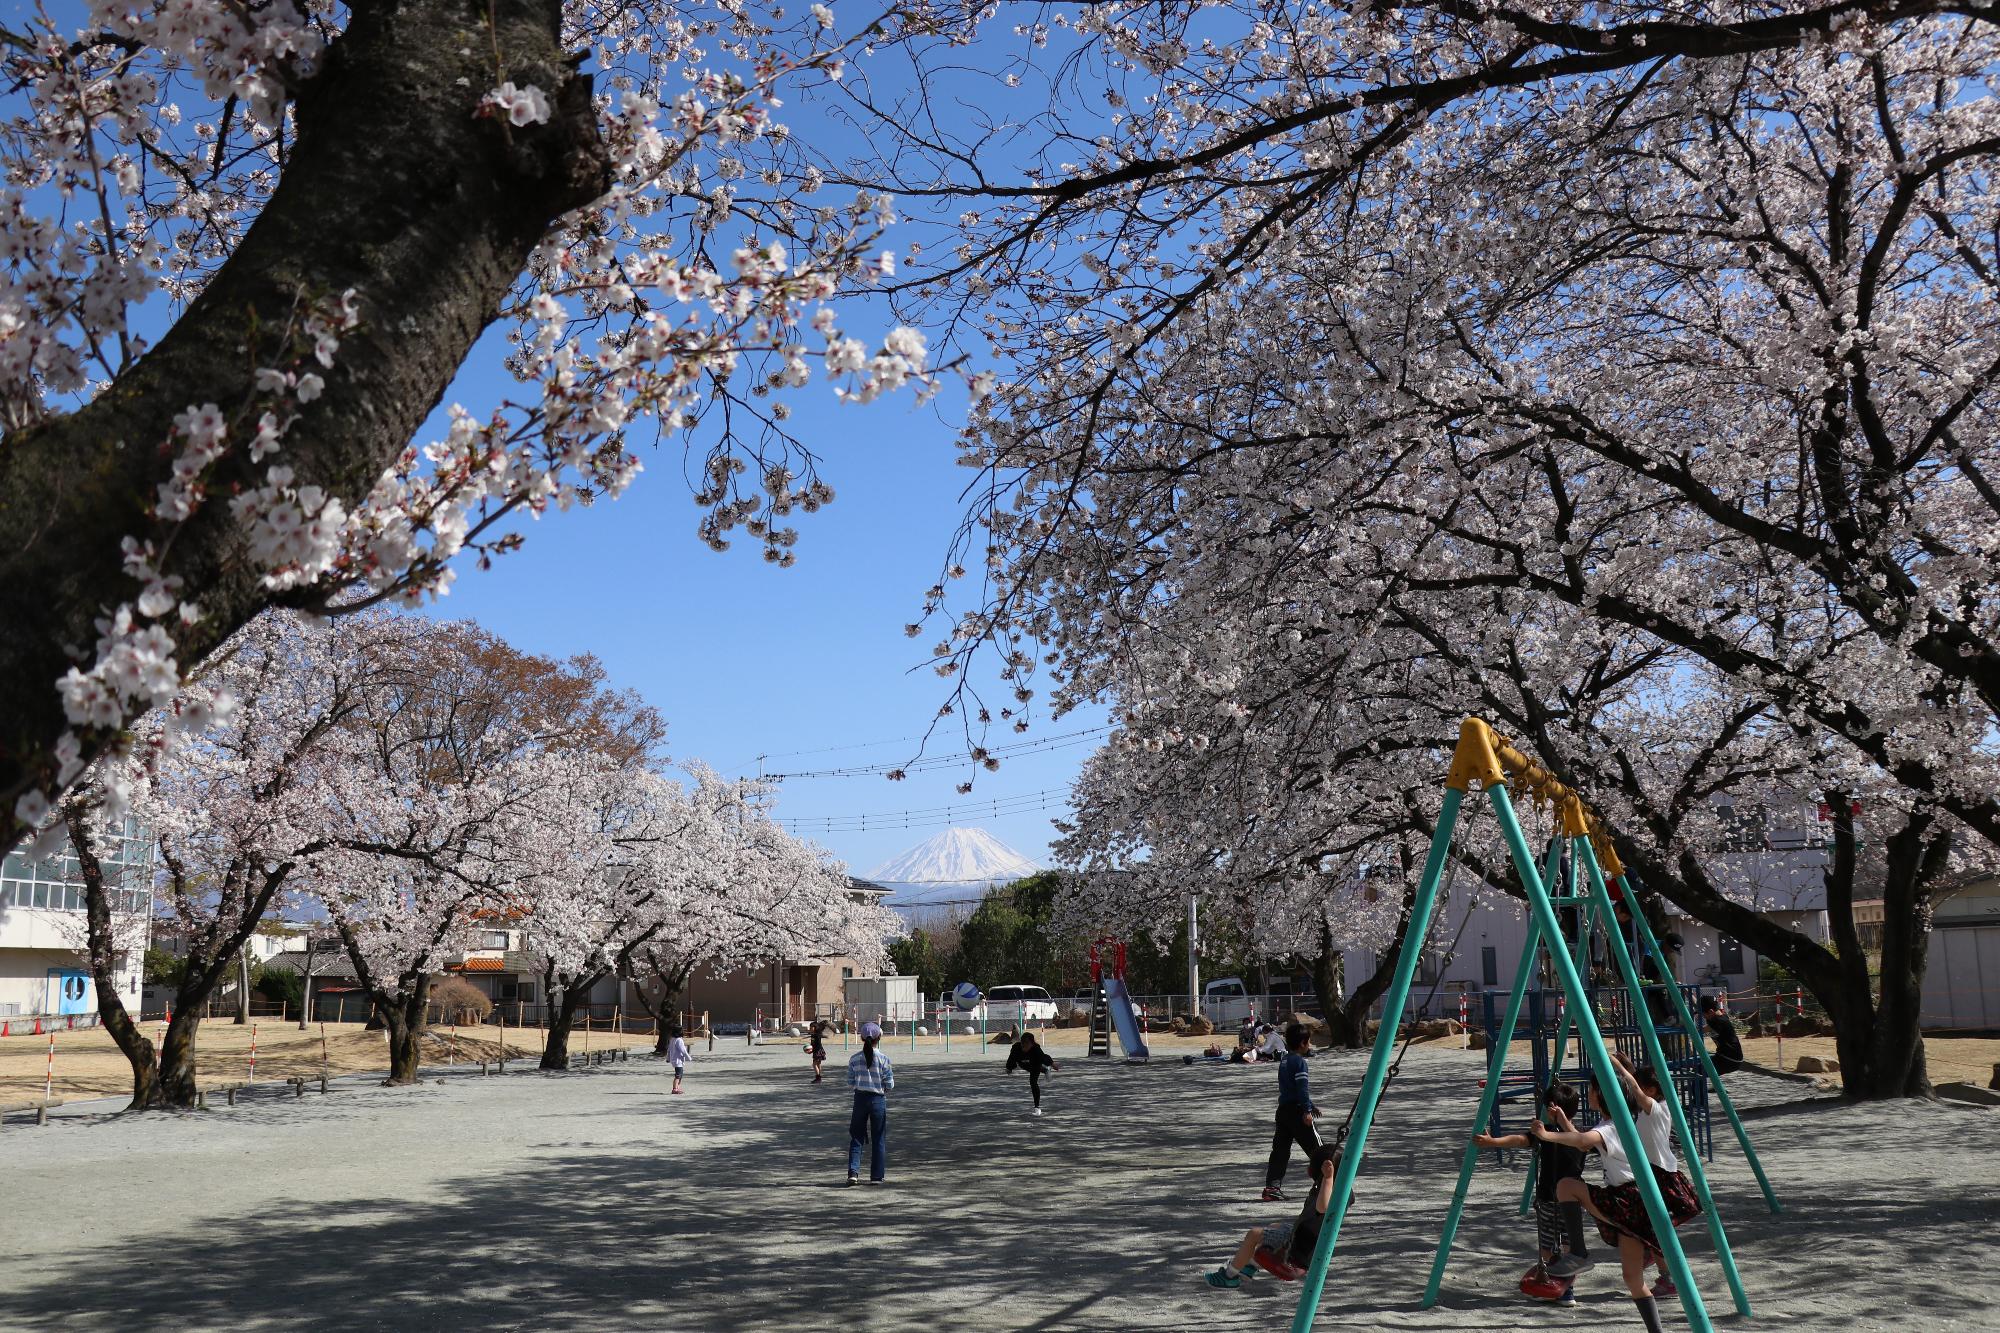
(1444, 900)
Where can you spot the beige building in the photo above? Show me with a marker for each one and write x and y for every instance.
(784, 990)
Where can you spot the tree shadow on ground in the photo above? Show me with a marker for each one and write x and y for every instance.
(1102, 1215)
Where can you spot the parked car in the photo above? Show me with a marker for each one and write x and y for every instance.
(1010, 1006)
(1227, 1001)
(1079, 1001)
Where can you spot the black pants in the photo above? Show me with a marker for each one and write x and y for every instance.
(1035, 1083)
(1291, 1128)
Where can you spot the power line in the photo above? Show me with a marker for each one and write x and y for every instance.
(826, 749)
(928, 816)
(927, 763)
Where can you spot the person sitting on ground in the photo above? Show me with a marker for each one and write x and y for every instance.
(1247, 1034)
(1558, 1226)
(1291, 1242)
(1270, 1044)
(1617, 1204)
(1728, 1047)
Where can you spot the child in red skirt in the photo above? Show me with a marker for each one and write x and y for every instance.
(1617, 1204)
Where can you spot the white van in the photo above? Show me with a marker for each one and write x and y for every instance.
(1226, 1002)
(1011, 1006)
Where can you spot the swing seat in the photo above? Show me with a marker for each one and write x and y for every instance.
(1537, 1283)
(1277, 1265)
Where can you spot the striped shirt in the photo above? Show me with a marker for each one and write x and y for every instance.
(862, 1078)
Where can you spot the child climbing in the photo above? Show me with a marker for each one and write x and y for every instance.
(1616, 1204)
(817, 1047)
(1728, 1048)
(677, 1055)
(1288, 1245)
(1027, 1053)
(1558, 1226)
(1295, 1112)
(872, 1077)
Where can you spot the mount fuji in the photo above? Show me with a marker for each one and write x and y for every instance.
(956, 864)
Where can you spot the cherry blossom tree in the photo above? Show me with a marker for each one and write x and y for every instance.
(442, 811)
(1649, 394)
(250, 249)
(755, 895)
(235, 805)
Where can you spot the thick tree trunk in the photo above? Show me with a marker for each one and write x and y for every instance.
(163, 1077)
(1878, 1036)
(393, 188)
(555, 1050)
(403, 1016)
(1348, 1020)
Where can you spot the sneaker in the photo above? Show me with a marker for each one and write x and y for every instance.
(853, 1179)
(1272, 1194)
(1665, 1289)
(1568, 1296)
(1569, 1265)
(1036, 1111)
(1221, 1278)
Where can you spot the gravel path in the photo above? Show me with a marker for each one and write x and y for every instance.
(594, 1201)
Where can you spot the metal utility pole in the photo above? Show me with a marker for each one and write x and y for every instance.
(1194, 958)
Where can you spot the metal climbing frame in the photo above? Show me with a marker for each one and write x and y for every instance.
(1483, 757)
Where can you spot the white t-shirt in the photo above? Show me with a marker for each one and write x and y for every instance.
(1656, 1132)
(1617, 1171)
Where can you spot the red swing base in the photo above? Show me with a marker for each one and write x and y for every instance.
(1274, 1263)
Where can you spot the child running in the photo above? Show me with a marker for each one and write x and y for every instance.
(1292, 1242)
(1295, 1112)
(677, 1054)
(1027, 1053)
(817, 1047)
(872, 1077)
(1617, 1204)
(1558, 1226)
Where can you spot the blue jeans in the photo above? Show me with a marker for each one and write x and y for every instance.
(869, 1121)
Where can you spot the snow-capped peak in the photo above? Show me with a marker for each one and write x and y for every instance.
(957, 858)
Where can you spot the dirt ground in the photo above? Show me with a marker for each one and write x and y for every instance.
(594, 1200)
(88, 1063)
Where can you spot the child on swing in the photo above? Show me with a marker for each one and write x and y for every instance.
(1558, 1226)
(1617, 1204)
(1291, 1244)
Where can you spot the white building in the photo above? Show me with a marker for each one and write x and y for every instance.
(42, 934)
(1962, 974)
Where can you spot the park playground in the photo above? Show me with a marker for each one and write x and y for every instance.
(595, 1200)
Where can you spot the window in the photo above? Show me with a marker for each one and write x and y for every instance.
(846, 974)
(492, 939)
(1489, 966)
(1005, 993)
(1033, 993)
(1732, 956)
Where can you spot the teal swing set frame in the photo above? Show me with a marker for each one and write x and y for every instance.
(1483, 757)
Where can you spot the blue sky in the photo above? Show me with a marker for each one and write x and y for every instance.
(807, 665)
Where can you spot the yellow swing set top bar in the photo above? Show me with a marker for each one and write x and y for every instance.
(1490, 759)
